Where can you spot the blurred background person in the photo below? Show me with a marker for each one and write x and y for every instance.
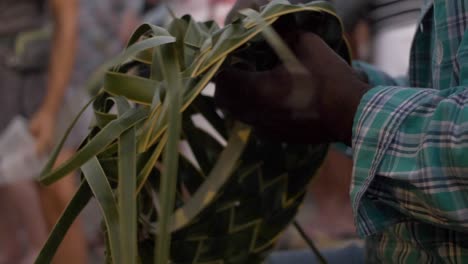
(50, 92)
(104, 27)
(20, 207)
(33, 84)
(154, 12)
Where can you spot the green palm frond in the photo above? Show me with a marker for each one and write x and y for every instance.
(213, 202)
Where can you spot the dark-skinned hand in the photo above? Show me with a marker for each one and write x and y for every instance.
(315, 105)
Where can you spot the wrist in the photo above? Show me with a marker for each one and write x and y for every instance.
(342, 108)
(352, 108)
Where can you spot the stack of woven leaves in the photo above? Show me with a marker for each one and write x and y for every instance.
(169, 189)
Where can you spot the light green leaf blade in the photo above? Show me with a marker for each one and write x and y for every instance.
(126, 189)
(215, 180)
(231, 38)
(178, 28)
(102, 190)
(196, 34)
(53, 157)
(72, 211)
(145, 172)
(192, 93)
(97, 144)
(279, 8)
(167, 59)
(290, 60)
(160, 125)
(127, 197)
(134, 88)
(144, 29)
(143, 45)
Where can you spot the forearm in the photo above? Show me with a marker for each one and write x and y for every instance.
(410, 157)
(376, 77)
(63, 53)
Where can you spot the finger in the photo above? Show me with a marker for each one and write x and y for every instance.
(317, 54)
(236, 88)
(255, 97)
(311, 48)
(251, 87)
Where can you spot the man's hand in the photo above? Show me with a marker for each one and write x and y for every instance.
(42, 124)
(42, 127)
(313, 106)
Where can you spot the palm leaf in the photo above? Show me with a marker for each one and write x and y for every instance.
(76, 205)
(168, 62)
(95, 146)
(127, 189)
(226, 203)
(97, 180)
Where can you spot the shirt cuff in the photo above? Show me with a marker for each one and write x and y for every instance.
(380, 114)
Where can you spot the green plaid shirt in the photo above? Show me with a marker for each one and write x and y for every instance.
(410, 144)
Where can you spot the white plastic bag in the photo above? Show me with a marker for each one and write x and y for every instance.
(18, 156)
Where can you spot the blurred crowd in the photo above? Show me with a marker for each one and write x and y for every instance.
(49, 50)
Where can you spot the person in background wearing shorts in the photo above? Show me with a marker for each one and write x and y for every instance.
(33, 84)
